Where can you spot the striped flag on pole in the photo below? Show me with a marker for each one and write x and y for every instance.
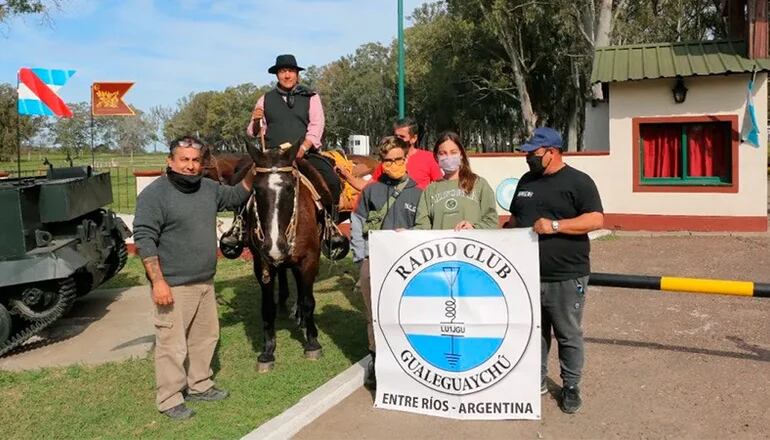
(750, 128)
(38, 92)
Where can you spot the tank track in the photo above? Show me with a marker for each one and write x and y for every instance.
(122, 255)
(122, 258)
(66, 296)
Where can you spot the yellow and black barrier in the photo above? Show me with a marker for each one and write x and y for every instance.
(676, 284)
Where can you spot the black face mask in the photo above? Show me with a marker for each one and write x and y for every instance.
(183, 182)
(535, 164)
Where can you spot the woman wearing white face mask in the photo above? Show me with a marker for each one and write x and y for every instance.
(462, 199)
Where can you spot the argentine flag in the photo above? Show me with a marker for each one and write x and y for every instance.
(750, 128)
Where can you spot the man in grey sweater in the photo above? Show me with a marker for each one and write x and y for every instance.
(175, 235)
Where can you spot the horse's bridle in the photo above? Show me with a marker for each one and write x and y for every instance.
(291, 228)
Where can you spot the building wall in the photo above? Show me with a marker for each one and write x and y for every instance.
(723, 95)
(596, 135)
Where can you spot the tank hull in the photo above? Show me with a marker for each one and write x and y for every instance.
(57, 242)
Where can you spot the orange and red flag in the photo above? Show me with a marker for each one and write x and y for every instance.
(107, 99)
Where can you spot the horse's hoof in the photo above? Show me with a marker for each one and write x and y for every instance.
(313, 355)
(265, 367)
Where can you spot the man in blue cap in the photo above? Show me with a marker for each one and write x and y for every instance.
(562, 205)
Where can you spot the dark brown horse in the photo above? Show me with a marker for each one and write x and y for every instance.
(228, 168)
(284, 232)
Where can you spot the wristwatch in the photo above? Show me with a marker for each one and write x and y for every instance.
(555, 225)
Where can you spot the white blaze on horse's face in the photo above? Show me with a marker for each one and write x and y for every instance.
(274, 183)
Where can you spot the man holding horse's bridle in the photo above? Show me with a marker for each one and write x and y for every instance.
(175, 235)
(292, 111)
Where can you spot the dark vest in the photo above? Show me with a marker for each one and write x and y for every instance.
(285, 124)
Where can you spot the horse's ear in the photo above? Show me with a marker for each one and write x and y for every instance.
(252, 150)
(205, 153)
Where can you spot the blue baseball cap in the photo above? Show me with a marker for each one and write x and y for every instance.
(542, 137)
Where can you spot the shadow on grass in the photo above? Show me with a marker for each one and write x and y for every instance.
(131, 275)
(345, 327)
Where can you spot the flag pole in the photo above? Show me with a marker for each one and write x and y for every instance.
(401, 98)
(18, 129)
(93, 160)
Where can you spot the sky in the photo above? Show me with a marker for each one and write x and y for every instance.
(171, 48)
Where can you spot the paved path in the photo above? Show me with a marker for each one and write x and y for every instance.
(659, 365)
(103, 326)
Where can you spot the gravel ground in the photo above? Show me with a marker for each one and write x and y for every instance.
(659, 365)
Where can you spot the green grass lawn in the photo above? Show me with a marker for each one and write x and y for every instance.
(33, 161)
(116, 400)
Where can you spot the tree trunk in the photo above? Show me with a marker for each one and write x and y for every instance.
(602, 39)
(528, 117)
(572, 128)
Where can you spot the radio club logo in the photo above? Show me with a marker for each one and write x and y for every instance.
(455, 300)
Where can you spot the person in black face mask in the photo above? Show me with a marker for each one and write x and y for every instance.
(562, 205)
(175, 235)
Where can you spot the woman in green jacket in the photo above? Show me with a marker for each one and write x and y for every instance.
(462, 199)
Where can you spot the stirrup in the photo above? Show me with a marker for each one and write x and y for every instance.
(231, 242)
(334, 245)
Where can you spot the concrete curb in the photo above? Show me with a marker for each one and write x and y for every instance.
(313, 405)
(593, 235)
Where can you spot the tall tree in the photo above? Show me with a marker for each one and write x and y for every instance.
(73, 135)
(358, 93)
(159, 116)
(133, 133)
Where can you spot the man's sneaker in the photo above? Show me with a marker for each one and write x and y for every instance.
(543, 387)
(179, 412)
(370, 379)
(570, 400)
(210, 395)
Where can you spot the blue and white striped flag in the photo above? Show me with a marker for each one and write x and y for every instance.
(750, 128)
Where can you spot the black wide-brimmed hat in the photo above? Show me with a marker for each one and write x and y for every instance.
(282, 61)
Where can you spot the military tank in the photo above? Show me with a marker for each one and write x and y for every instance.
(57, 242)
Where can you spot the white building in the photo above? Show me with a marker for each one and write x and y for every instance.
(358, 144)
(667, 165)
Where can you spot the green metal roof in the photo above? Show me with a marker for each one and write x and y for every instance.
(668, 60)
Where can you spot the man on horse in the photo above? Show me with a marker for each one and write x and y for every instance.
(292, 111)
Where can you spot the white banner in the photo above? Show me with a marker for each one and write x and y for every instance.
(457, 322)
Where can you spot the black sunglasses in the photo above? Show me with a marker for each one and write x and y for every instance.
(398, 161)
